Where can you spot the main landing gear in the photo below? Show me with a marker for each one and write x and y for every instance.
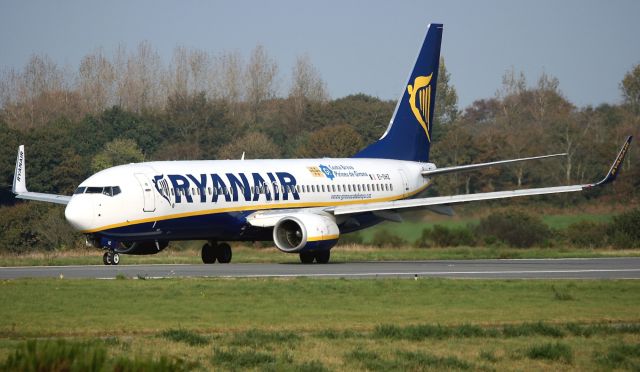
(213, 251)
(110, 258)
(321, 257)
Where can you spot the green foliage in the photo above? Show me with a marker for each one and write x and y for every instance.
(406, 361)
(550, 351)
(182, 335)
(385, 238)
(117, 152)
(18, 227)
(351, 238)
(630, 87)
(443, 236)
(624, 230)
(587, 234)
(514, 227)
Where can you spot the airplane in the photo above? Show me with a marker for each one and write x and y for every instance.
(302, 205)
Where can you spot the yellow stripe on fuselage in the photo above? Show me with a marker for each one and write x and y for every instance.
(255, 208)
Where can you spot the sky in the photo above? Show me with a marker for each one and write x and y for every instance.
(357, 46)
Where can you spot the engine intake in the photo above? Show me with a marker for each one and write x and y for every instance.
(305, 232)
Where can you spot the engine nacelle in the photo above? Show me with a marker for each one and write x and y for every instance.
(305, 232)
(142, 248)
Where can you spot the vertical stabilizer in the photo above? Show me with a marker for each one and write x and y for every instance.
(408, 136)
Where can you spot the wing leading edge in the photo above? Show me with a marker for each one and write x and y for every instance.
(453, 199)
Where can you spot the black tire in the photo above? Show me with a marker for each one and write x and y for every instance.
(224, 253)
(323, 257)
(208, 254)
(306, 257)
(105, 259)
(115, 259)
(109, 258)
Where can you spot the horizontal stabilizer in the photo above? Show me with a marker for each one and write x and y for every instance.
(471, 167)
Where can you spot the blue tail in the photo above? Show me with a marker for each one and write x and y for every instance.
(408, 136)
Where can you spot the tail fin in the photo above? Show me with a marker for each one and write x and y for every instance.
(408, 136)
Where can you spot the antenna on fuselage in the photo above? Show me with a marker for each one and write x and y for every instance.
(242, 158)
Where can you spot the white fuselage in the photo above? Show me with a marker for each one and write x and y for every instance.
(170, 193)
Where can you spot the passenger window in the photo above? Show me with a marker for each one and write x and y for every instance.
(391, 186)
(359, 188)
(171, 192)
(322, 188)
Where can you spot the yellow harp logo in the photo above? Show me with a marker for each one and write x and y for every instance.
(420, 101)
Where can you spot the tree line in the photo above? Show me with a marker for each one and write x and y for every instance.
(130, 106)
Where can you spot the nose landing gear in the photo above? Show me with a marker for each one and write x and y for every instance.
(213, 251)
(111, 258)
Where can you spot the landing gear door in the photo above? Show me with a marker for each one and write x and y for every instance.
(147, 192)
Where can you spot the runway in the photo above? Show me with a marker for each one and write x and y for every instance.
(596, 268)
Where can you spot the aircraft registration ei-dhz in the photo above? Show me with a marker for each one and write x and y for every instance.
(303, 205)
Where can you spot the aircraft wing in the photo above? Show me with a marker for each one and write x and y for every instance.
(20, 184)
(446, 200)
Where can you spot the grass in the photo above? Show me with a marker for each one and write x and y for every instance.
(319, 325)
(412, 230)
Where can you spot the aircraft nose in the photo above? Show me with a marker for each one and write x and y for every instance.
(79, 214)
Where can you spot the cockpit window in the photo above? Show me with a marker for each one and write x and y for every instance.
(108, 190)
(79, 190)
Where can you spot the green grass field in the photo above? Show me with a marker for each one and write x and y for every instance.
(412, 230)
(315, 325)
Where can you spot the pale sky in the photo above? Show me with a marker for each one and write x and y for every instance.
(358, 46)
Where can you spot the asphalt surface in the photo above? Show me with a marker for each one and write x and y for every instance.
(596, 268)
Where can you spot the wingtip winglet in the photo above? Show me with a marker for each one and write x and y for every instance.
(19, 179)
(617, 164)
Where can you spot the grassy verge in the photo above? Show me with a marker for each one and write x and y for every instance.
(330, 324)
(344, 253)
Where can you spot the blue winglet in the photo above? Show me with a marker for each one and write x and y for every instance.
(617, 164)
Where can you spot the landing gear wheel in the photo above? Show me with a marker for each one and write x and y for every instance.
(105, 258)
(115, 258)
(224, 253)
(322, 257)
(306, 257)
(208, 254)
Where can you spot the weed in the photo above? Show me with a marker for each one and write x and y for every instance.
(121, 276)
(256, 338)
(620, 355)
(244, 359)
(489, 356)
(532, 329)
(550, 351)
(182, 335)
(561, 295)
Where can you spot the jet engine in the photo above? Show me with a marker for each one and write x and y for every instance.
(305, 232)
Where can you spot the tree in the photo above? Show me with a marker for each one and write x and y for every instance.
(446, 110)
(336, 141)
(306, 84)
(254, 145)
(630, 87)
(117, 152)
(260, 80)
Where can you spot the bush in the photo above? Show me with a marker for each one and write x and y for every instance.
(442, 236)
(587, 234)
(384, 238)
(351, 238)
(182, 335)
(515, 228)
(624, 230)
